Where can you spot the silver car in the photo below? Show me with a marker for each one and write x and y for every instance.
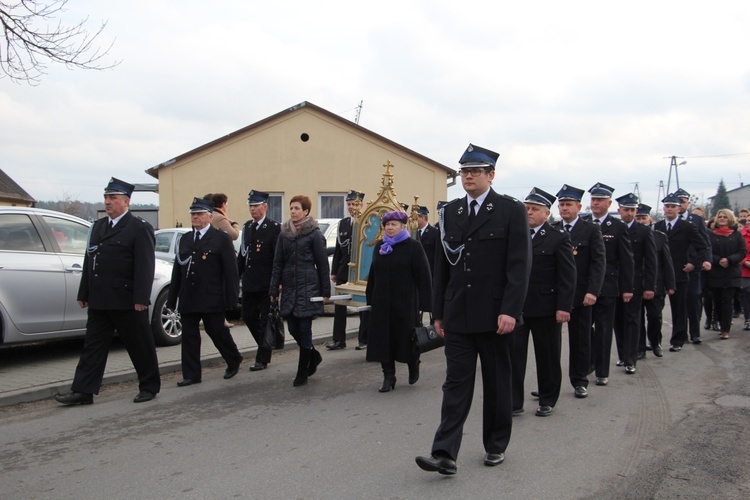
(41, 259)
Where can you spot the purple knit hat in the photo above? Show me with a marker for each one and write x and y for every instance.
(396, 215)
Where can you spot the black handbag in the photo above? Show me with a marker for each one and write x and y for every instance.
(273, 337)
(426, 339)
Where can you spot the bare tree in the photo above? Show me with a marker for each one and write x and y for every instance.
(32, 36)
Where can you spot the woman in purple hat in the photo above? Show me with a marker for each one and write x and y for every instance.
(399, 286)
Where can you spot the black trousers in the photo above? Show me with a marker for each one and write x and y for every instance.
(255, 307)
(461, 351)
(724, 302)
(364, 327)
(601, 334)
(628, 328)
(339, 320)
(135, 331)
(191, 342)
(579, 340)
(679, 314)
(694, 304)
(546, 333)
(651, 315)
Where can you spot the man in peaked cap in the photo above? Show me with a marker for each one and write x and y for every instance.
(480, 282)
(695, 285)
(618, 285)
(651, 311)
(590, 260)
(206, 282)
(255, 266)
(681, 234)
(628, 314)
(548, 304)
(118, 272)
(340, 267)
(427, 235)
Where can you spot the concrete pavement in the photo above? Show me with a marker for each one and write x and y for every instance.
(32, 373)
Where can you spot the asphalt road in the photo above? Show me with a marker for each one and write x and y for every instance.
(676, 429)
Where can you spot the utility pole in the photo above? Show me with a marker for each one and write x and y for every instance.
(673, 165)
(636, 190)
(659, 195)
(359, 110)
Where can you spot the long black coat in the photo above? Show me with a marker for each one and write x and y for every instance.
(732, 248)
(118, 269)
(255, 260)
(398, 287)
(204, 275)
(300, 266)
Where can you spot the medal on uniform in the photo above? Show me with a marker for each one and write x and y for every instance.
(257, 247)
(575, 250)
(204, 255)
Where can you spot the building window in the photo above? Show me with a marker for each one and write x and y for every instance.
(332, 205)
(276, 207)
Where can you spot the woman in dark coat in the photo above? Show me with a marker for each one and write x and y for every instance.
(728, 248)
(300, 272)
(398, 287)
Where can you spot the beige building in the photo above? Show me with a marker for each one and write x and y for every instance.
(302, 150)
(13, 195)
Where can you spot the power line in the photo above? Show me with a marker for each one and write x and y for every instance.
(717, 156)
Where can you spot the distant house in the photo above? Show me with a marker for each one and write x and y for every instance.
(11, 194)
(738, 198)
(302, 150)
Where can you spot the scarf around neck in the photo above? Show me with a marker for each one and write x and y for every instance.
(723, 231)
(389, 242)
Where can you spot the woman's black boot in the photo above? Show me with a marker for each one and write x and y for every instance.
(389, 376)
(302, 367)
(413, 365)
(315, 360)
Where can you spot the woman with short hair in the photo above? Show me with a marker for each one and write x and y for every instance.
(300, 272)
(399, 286)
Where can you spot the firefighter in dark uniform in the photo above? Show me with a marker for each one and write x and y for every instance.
(480, 282)
(618, 279)
(590, 258)
(548, 304)
(628, 315)
(118, 272)
(255, 266)
(206, 282)
(427, 235)
(651, 311)
(340, 267)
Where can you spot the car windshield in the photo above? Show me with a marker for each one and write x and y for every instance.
(323, 227)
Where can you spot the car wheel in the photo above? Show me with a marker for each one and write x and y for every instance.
(166, 326)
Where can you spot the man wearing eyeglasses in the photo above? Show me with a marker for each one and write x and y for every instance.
(481, 276)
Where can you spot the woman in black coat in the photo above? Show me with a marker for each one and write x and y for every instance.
(728, 248)
(300, 272)
(398, 287)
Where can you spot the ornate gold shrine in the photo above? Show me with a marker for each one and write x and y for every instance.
(367, 231)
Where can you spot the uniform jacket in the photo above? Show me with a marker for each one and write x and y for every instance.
(300, 266)
(342, 252)
(429, 241)
(705, 233)
(255, 259)
(204, 275)
(664, 268)
(118, 269)
(398, 287)
(492, 258)
(552, 282)
(590, 258)
(683, 233)
(618, 278)
(644, 258)
(731, 247)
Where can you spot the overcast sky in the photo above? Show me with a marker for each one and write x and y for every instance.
(566, 92)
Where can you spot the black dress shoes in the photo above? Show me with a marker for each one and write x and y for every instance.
(256, 367)
(697, 340)
(658, 352)
(602, 381)
(641, 355)
(231, 371)
(544, 411)
(443, 465)
(581, 392)
(535, 394)
(675, 348)
(75, 398)
(336, 345)
(630, 369)
(361, 347)
(144, 396)
(517, 412)
(187, 381)
(493, 459)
